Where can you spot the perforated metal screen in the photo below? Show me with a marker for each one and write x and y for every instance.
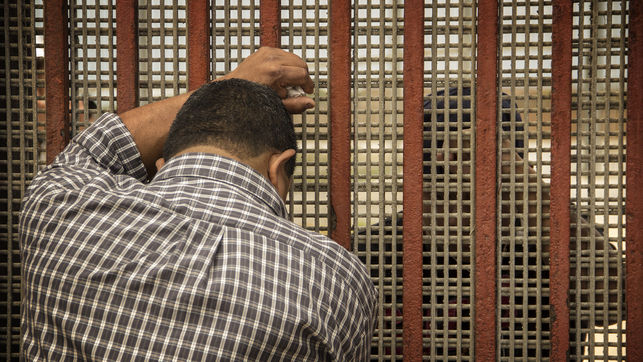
(373, 151)
(598, 177)
(524, 314)
(21, 137)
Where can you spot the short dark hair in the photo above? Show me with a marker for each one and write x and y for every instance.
(238, 116)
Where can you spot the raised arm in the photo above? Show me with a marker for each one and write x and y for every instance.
(278, 69)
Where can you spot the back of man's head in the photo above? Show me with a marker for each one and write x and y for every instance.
(243, 118)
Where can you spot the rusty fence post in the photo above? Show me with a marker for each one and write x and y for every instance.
(560, 177)
(340, 121)
(57, 76)
(198, 43)
(412, 170)
(270, 23)
(126, 55)
(485, 181)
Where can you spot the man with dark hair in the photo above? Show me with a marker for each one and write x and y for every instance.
(200, 263)
(241, 120)
(523, 248)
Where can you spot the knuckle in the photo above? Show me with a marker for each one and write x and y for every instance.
(274, 70)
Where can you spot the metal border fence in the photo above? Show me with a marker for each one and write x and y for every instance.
(473, 226)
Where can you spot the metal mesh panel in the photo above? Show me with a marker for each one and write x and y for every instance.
(92, 60)
(305, 32)
(523, 316)
(235, 33)
(20, 128)
(162, 49)
(377, 161)
(448, 183)
(598, 180)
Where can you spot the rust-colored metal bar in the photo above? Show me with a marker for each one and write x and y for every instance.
(198, 43)
(560, 177)
(340, 119)
(634, 198)
(57, 77)
(412, 157)
(485, 181)
(127, 55)
(270, 23)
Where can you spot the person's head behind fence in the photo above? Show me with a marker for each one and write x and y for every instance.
(457, 104)
(243, 118)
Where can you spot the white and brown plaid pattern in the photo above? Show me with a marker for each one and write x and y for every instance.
(198, 264)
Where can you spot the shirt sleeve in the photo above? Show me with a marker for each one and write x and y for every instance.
(105, 148)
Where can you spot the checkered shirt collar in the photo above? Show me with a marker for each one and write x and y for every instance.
(222, 169)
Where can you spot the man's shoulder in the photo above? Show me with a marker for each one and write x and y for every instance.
(330, 255)
(321, 261)
(318, 244)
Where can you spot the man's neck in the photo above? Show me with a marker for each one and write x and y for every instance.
(258, 163)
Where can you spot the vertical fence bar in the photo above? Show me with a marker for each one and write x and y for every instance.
(485, 181)
(412, 170)
(270, 23)
(56, 76)
(126, 55)
(340, 121)
(560, 177)
(198, 43)
(634, 175)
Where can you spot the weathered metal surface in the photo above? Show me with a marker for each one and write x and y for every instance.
(56, 77)
(127, 54)
(340, 118)
(198, 43)
(560, 177)
(413, 157)
(270, 23)
(485, 181)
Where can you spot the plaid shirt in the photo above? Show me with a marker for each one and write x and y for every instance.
(200, 263)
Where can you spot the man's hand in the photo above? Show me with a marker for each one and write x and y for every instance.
(278, 70)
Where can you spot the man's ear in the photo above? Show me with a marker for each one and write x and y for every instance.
(159, 163)
(277, 171)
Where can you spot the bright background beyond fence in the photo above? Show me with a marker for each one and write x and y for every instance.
(350, 183)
